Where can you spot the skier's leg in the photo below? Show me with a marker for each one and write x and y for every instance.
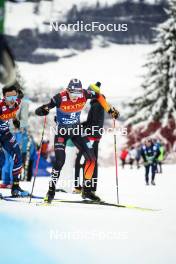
(78, 167)
(137, 163)
(130, 163)
(156, 167)
(124, 163)
(10, 144)
(29, 170)
(85, 146)
(5, 178)
(59, 148)
(122, 160)
(153, 167)
(147, 168)
(160, 166)
(2, 162)
(95, 174)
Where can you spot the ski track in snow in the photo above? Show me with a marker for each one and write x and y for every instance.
(74, 233)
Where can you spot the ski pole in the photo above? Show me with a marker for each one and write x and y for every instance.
(115, 157)
(38, 159)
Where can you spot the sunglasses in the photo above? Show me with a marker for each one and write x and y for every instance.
(11, 98)
(77, 91)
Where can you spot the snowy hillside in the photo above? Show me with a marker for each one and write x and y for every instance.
(118, 67)
(24, 17)
(73, 233)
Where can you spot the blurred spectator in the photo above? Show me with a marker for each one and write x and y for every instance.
(123, 156)
(150, 154)
(23, 113)
(132, 156)
(161, 158)
(156, 143)
(138, 156)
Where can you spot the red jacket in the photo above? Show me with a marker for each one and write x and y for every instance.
(124, 154)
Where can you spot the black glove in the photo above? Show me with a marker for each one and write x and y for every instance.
(114, 113)
(16, 123)
(42, 111)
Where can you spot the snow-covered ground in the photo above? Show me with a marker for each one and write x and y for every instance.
(74, 233)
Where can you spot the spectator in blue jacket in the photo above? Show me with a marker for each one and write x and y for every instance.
(150, 154)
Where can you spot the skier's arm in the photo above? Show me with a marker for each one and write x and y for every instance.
(44, 109)
(101, 99)
(109, 109)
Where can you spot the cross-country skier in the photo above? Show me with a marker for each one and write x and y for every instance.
(69, 105)
(9, 106)
(150, 154)
(95, 119)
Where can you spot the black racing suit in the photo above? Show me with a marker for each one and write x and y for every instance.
(95, 119)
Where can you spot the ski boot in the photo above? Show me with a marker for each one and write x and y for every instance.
(147, 183)
(87, 193)
(153, 183)
(77, 190)
(1, 197)
(50, 195)
(52, 186)
(16, 191)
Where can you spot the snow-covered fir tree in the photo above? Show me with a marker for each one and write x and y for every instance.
(154, 112)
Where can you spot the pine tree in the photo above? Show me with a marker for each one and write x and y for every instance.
(155, 110)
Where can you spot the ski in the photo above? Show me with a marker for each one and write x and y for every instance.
(101, 203)
(19, 199)
(55, 202)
